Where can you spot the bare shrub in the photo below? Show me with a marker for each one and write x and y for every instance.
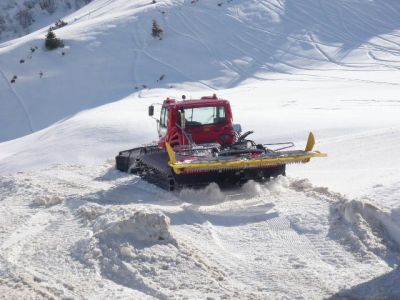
(49, 5)
(29, 4)
(24, 16)
(2, 23)
(80, 3)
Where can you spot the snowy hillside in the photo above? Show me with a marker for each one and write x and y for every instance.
(71, 226)
(109, 53)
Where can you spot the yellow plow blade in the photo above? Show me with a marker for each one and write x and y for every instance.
(238, 163)
(242, 163)
(310, 142)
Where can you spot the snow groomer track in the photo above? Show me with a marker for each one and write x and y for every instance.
(123, 235)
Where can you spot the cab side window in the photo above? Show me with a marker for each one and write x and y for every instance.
(163, 121)
(220, 112)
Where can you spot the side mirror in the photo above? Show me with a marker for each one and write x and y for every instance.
(151, 110)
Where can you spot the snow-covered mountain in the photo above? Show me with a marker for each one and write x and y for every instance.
(109, 52)
(72, 226)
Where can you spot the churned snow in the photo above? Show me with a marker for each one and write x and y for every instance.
(71, 226)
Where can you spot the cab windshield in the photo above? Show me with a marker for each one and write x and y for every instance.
(204, 115)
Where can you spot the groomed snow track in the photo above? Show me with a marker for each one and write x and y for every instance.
(80, 231)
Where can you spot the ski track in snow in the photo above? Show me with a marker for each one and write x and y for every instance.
(20, 102)
(267, 38)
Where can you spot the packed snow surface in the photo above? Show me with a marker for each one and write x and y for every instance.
(116, 235)
(73, 227)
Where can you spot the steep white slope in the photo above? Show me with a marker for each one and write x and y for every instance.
(110, 52)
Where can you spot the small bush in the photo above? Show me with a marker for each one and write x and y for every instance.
(52, 42)
(59, 23)
(156, 31)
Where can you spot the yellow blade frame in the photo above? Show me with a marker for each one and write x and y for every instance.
(180, 167)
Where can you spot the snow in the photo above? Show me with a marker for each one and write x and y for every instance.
(71, 226)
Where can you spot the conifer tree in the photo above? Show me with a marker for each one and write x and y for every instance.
(52, 42)
(156, 31)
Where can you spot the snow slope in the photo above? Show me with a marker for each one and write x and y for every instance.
(72, 226)
(111, 54)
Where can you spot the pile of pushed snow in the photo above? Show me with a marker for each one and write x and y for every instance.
(372, 226)
(375, 228)
(118, 234)
(134, 224)
(209, 195)
(134, 247)
(47, 200)
(363, 228)
(144, 225)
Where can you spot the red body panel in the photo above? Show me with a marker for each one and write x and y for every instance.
(219, 132)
